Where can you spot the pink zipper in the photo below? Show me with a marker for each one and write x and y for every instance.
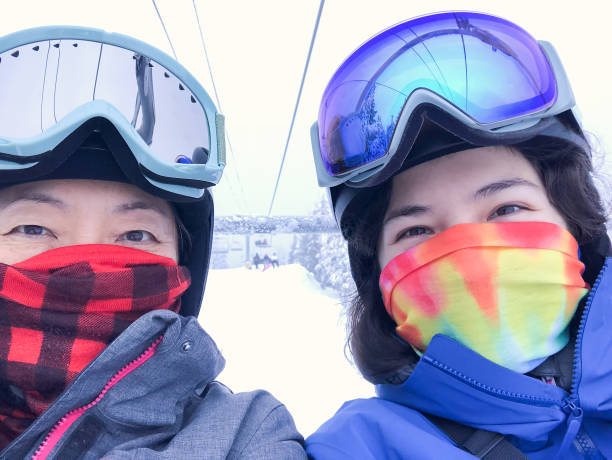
(58, 430)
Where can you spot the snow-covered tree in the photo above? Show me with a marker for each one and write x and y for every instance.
(325, 255)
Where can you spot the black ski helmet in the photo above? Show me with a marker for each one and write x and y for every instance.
(97, 151)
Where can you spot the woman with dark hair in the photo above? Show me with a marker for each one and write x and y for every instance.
(105, 240)
(463, 183)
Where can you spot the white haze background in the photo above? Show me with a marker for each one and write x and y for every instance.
(277, 329)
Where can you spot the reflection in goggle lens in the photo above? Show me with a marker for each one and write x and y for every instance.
(40, 83)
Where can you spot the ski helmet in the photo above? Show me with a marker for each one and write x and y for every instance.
(81, 103)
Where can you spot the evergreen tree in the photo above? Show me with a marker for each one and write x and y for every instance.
(325, 255)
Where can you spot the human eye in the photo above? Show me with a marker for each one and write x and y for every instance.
(506, 210)
(137, 236)
(413, 232)
(32, 231)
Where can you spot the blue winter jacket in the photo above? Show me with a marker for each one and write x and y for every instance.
(451, 381)
(137, 404)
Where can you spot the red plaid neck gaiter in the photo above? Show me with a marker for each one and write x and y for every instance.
(61, 308)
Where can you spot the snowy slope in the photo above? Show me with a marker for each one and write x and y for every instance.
(278, 331)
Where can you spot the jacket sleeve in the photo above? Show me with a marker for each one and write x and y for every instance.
(322, 451)
(347, 446)
(275, 438)
(373, 429)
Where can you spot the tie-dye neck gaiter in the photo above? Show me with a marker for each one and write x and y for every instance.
(506, 290)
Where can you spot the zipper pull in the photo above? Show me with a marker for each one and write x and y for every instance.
(574, 422)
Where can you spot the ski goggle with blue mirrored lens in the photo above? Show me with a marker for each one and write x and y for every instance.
(488, 74)
(54, 80)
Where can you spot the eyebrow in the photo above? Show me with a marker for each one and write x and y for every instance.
(483, 192)
(406, 211)
(498, 186)
(140, 206)
(44, 198)
(36, 197)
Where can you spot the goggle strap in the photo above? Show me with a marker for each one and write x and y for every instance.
(565, 95)
(220, 127)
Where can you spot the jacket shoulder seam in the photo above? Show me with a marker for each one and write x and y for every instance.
(256, 431)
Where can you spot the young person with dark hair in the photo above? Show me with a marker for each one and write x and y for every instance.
(463, 183)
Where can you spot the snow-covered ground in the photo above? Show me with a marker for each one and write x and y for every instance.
(279, 331)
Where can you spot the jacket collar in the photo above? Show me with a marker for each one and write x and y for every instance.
(454, 382)
(593, 253)
(185, 361)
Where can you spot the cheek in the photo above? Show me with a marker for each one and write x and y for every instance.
(381, 251)
(548, 213)
(170, 248)
(11, 253)
(386, 250)
(557, 218)
(170, 253)
(176, 246)
(173, 253)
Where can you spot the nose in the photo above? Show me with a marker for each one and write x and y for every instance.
(458, 216)
(88, 229)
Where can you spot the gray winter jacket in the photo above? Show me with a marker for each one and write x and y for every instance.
(159, 403)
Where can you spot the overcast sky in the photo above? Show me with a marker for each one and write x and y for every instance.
(258, 50)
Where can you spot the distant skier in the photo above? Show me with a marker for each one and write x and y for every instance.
(257, 261)
(267, 262)
(274, 260)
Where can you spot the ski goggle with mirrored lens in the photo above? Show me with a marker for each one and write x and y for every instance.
(486, 73)
(53, 80)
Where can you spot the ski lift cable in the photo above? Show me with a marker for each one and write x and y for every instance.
(161, 20)
(238, 198)
(243, 195)
(164, 26)
(212, 78)
(234, 195)
(297, 103)
(206, 56)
